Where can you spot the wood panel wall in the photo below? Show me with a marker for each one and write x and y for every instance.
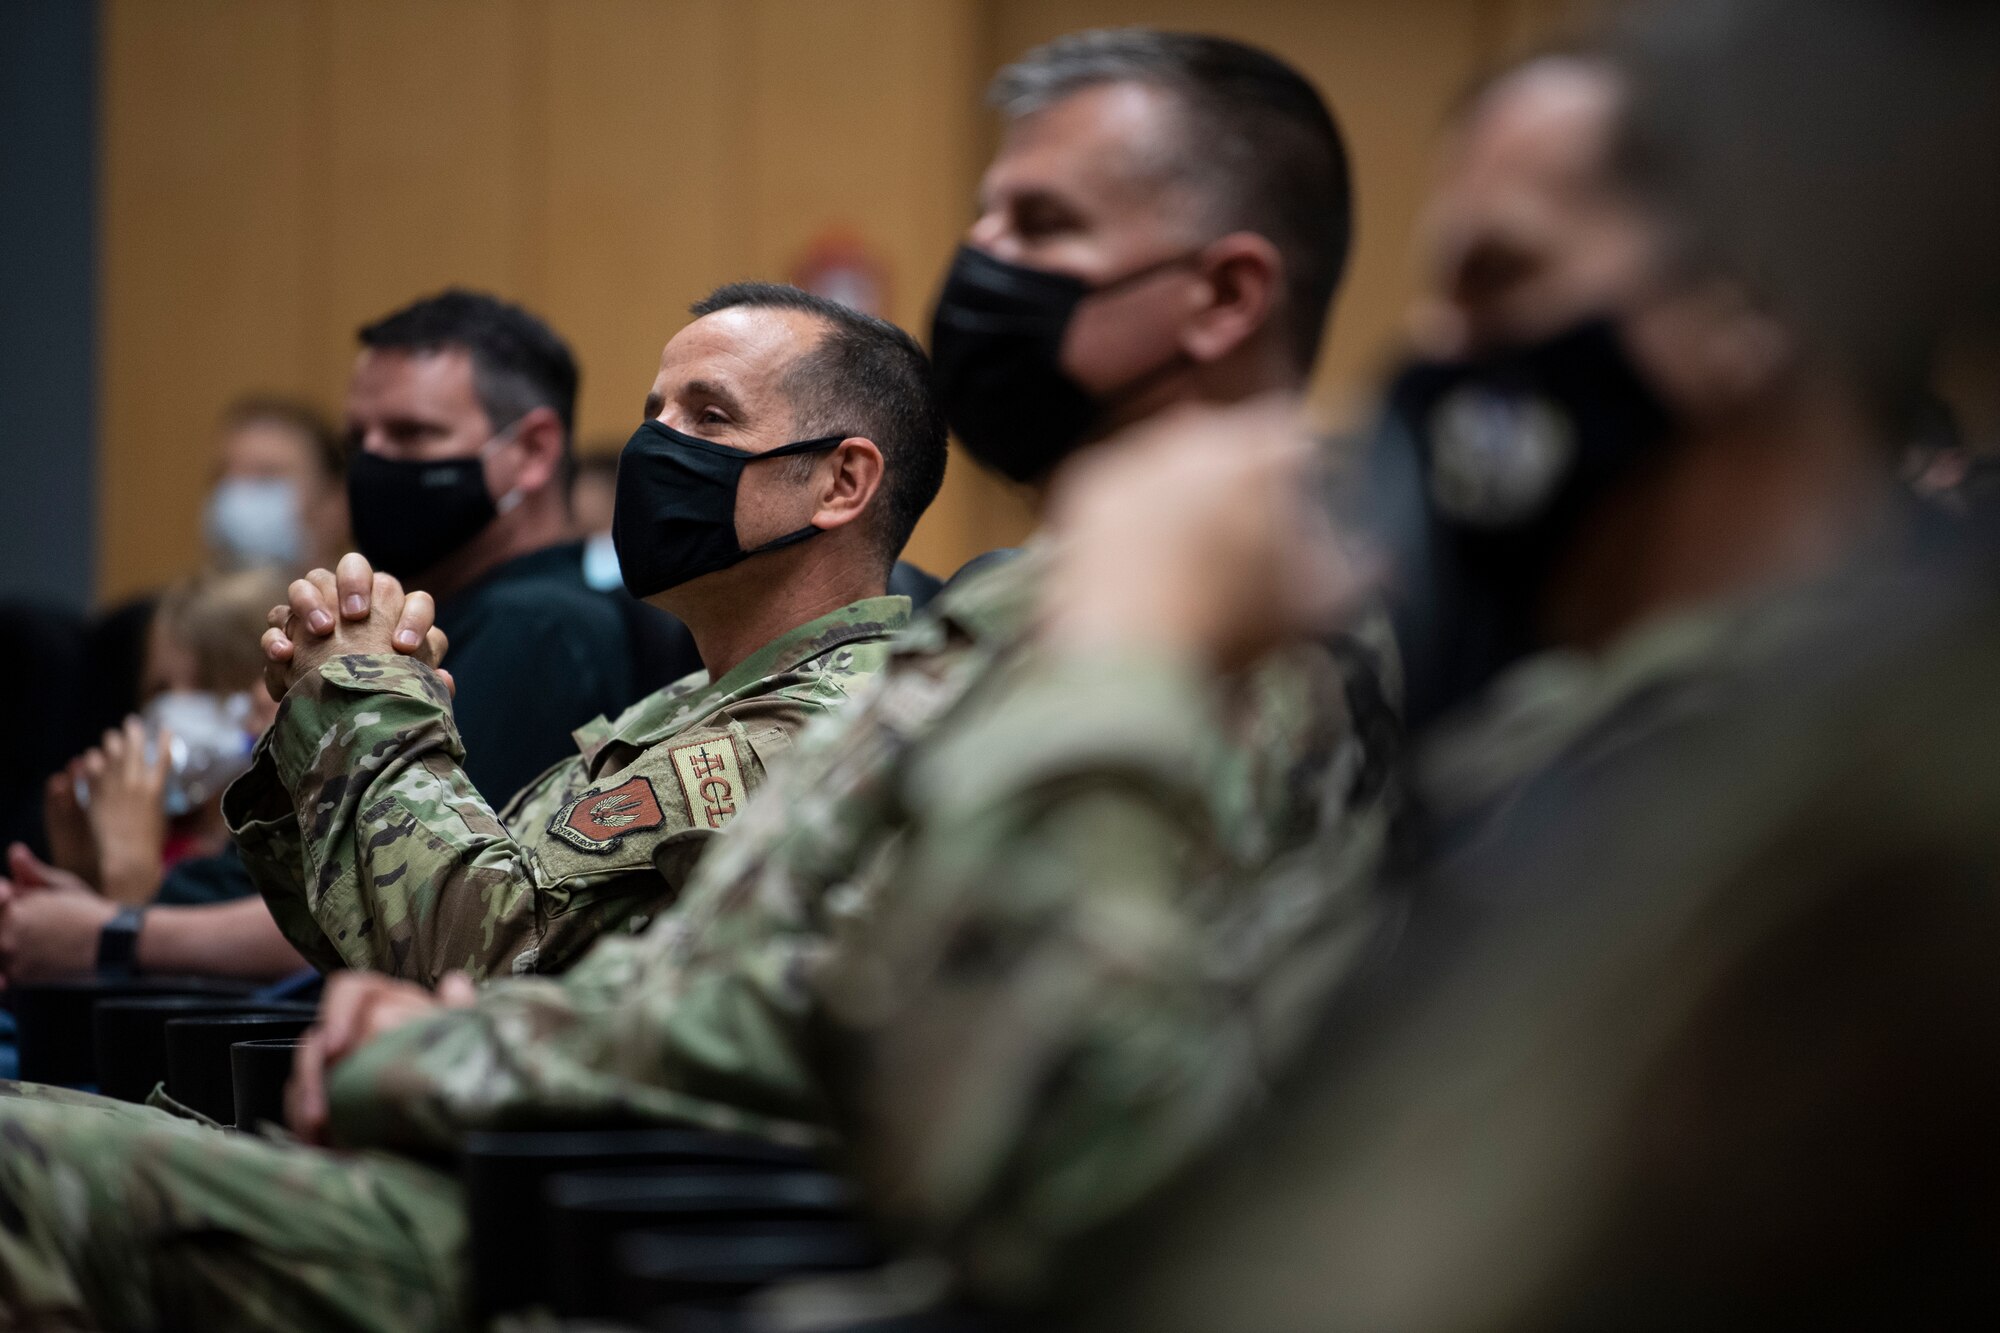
(276, 172)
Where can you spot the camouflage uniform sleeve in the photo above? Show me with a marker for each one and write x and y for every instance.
(698, 1021)
(1121, 895)
(701, 1020)
(259, 812)
(402, 866)
(390, 846)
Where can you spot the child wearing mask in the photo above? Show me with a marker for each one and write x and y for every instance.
(138, 817)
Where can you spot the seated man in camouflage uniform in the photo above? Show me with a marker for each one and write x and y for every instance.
(1692, 1021)
(1212, 276)
(357, 820)
(845, 871)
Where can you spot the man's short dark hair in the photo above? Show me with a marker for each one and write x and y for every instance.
(866, 377)
(300, 418)
(1257, 145)
(518, 362)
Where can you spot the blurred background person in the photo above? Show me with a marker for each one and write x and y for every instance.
(592, 492)
(279, 502)
(138, 816)
(134, 823)
(280, 495)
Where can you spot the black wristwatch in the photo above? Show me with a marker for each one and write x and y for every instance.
(118, 943)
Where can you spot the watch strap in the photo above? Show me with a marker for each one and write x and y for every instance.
(118, 943)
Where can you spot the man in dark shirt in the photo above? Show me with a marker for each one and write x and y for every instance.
(458, 420)
(535, 654)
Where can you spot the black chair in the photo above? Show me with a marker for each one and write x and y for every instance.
(590, 1210)
(199, 1073)
(505, 1175)
(686, 1281)
(258, 1072)
(53, 1029)
(130, 1035)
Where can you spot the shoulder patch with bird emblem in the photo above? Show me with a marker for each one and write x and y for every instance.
(596, 820)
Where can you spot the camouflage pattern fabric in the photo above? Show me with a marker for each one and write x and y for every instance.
(1692, 1022)
(1098, 949)
(705, 1018)
(115, 1216)
(1090, 902)
(374, 850)
(1104, 903)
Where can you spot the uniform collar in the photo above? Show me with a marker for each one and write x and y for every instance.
(667, 711)
(990, 607)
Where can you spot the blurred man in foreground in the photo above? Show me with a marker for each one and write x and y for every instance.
(1691, 1024)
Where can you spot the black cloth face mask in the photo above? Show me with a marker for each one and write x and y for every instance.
(408, 516)
(996, 357)
(1481, 472)
(674, 518)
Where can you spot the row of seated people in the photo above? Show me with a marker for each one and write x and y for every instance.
(135, 818)
(1015, 913)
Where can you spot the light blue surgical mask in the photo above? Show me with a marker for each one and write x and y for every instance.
(255, 521)
(600, 563)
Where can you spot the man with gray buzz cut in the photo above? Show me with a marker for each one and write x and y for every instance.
(1269, 160)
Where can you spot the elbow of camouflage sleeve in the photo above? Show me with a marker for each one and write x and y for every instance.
(258, 812)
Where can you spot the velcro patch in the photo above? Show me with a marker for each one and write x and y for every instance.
(596, 820)
(711, 780)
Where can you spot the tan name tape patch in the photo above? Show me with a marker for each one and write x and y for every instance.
(711, 780)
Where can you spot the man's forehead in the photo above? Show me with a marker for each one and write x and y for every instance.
(442, 377)
(1530, 161)
(1549, 125)
(1108, 142)
(744, 346)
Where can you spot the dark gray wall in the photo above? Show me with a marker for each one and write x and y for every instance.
(48, 94)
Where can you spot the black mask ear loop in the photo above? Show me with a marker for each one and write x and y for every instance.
(1109, 404)
(817, 445)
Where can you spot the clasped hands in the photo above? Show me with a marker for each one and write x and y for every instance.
(331, 613)
(349, 610)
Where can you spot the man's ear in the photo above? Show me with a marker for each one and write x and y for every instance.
(539, 436)
(1245, 278)
(848, 482)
